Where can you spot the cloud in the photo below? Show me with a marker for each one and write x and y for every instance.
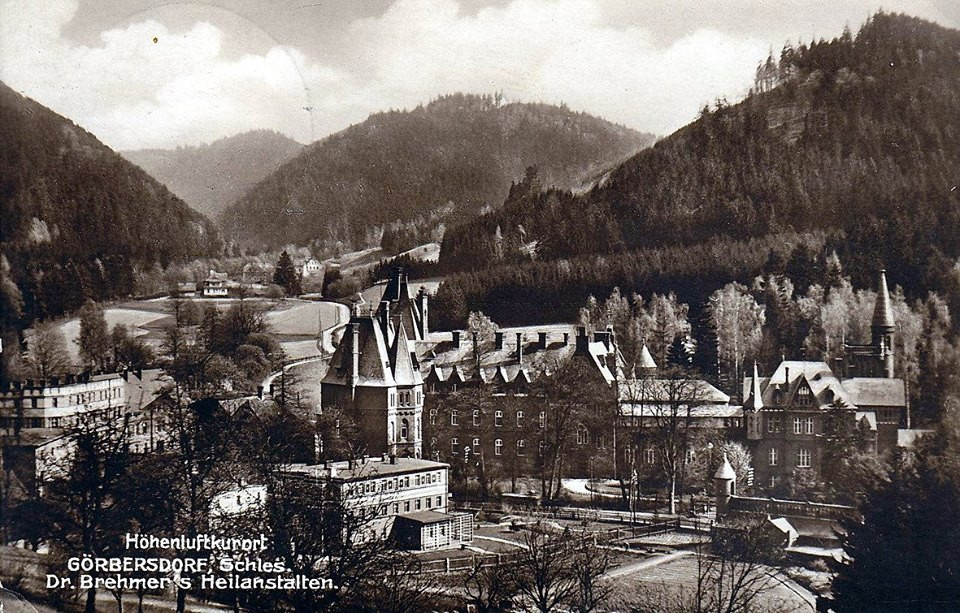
(184, 89)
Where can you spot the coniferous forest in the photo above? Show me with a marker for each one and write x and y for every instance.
(852, 143)
(437, 164)
(76, 219)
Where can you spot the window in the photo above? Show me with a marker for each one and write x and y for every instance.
(433, 442)
(433, 417)
(774, 456)
(498, 418)
(803, 458)
(406, 506)
(808, 426)
(476, 417)
(419, 397)
(541, 447)
(476, 444)
(454, 443)
(418, 504)
(519, 419)
(454, 417)
(521, 447)
(774, 480)
(581, 435)
(498, 446)
(439, 501)
(543, 419)
(804, 397)
(691, 456)
(429, 502)
(774, 423)
(601, 442)
(798, 425)
(404, 429)
(392, 399)
(650, 455)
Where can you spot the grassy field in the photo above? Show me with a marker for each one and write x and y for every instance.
(295, 323)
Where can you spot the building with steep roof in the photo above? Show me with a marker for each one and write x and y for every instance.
(375, 376)
(788, 413)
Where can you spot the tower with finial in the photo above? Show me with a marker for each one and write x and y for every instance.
(882, 327)
(752, 408)
(724, 486)
(875, 359)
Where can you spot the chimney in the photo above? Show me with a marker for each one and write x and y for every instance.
(385, 319)
(393, 459)
(583, 341)
(786, 375)
(498, 336)
(566, 339)
(355, 350)
(455, 337)
(602, 337)
(542, 340)
(424, 314)
(260, 392)
(519, 347)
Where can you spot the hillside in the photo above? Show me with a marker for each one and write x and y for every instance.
(858, 137)
(210, 177)
(76, 219)
(413, 171)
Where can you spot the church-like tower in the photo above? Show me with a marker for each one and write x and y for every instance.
(877, 358)
(882, 328)
(375, 377)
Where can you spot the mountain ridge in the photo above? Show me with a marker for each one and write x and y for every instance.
(210, 177)
(426, 167)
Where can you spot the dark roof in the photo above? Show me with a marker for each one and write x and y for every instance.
(405, 370)
(425, 517)
(876, 392)
(374, 359)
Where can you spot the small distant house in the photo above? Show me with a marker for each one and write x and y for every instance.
(187, 288)
(216, 285)
(311, 267)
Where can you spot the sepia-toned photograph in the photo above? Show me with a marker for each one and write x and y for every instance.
(480, 306)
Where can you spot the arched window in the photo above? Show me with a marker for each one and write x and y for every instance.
(582, 434)
(404, 429)
(498, 446)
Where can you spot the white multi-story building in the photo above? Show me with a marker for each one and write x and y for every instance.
(27, 406)
(405, 498)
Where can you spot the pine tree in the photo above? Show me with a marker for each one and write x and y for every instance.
(286, 275)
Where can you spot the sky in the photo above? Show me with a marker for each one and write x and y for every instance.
(153, 74)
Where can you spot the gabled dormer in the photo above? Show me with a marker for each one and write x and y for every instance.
(803, 396)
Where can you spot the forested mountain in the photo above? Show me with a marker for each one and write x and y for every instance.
(211, 177)
(857, 137)
(423, 168)
(76, 219)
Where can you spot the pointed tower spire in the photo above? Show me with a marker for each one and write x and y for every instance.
(646, 360)
(883, 311)
(755, 401)
(883, 327)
